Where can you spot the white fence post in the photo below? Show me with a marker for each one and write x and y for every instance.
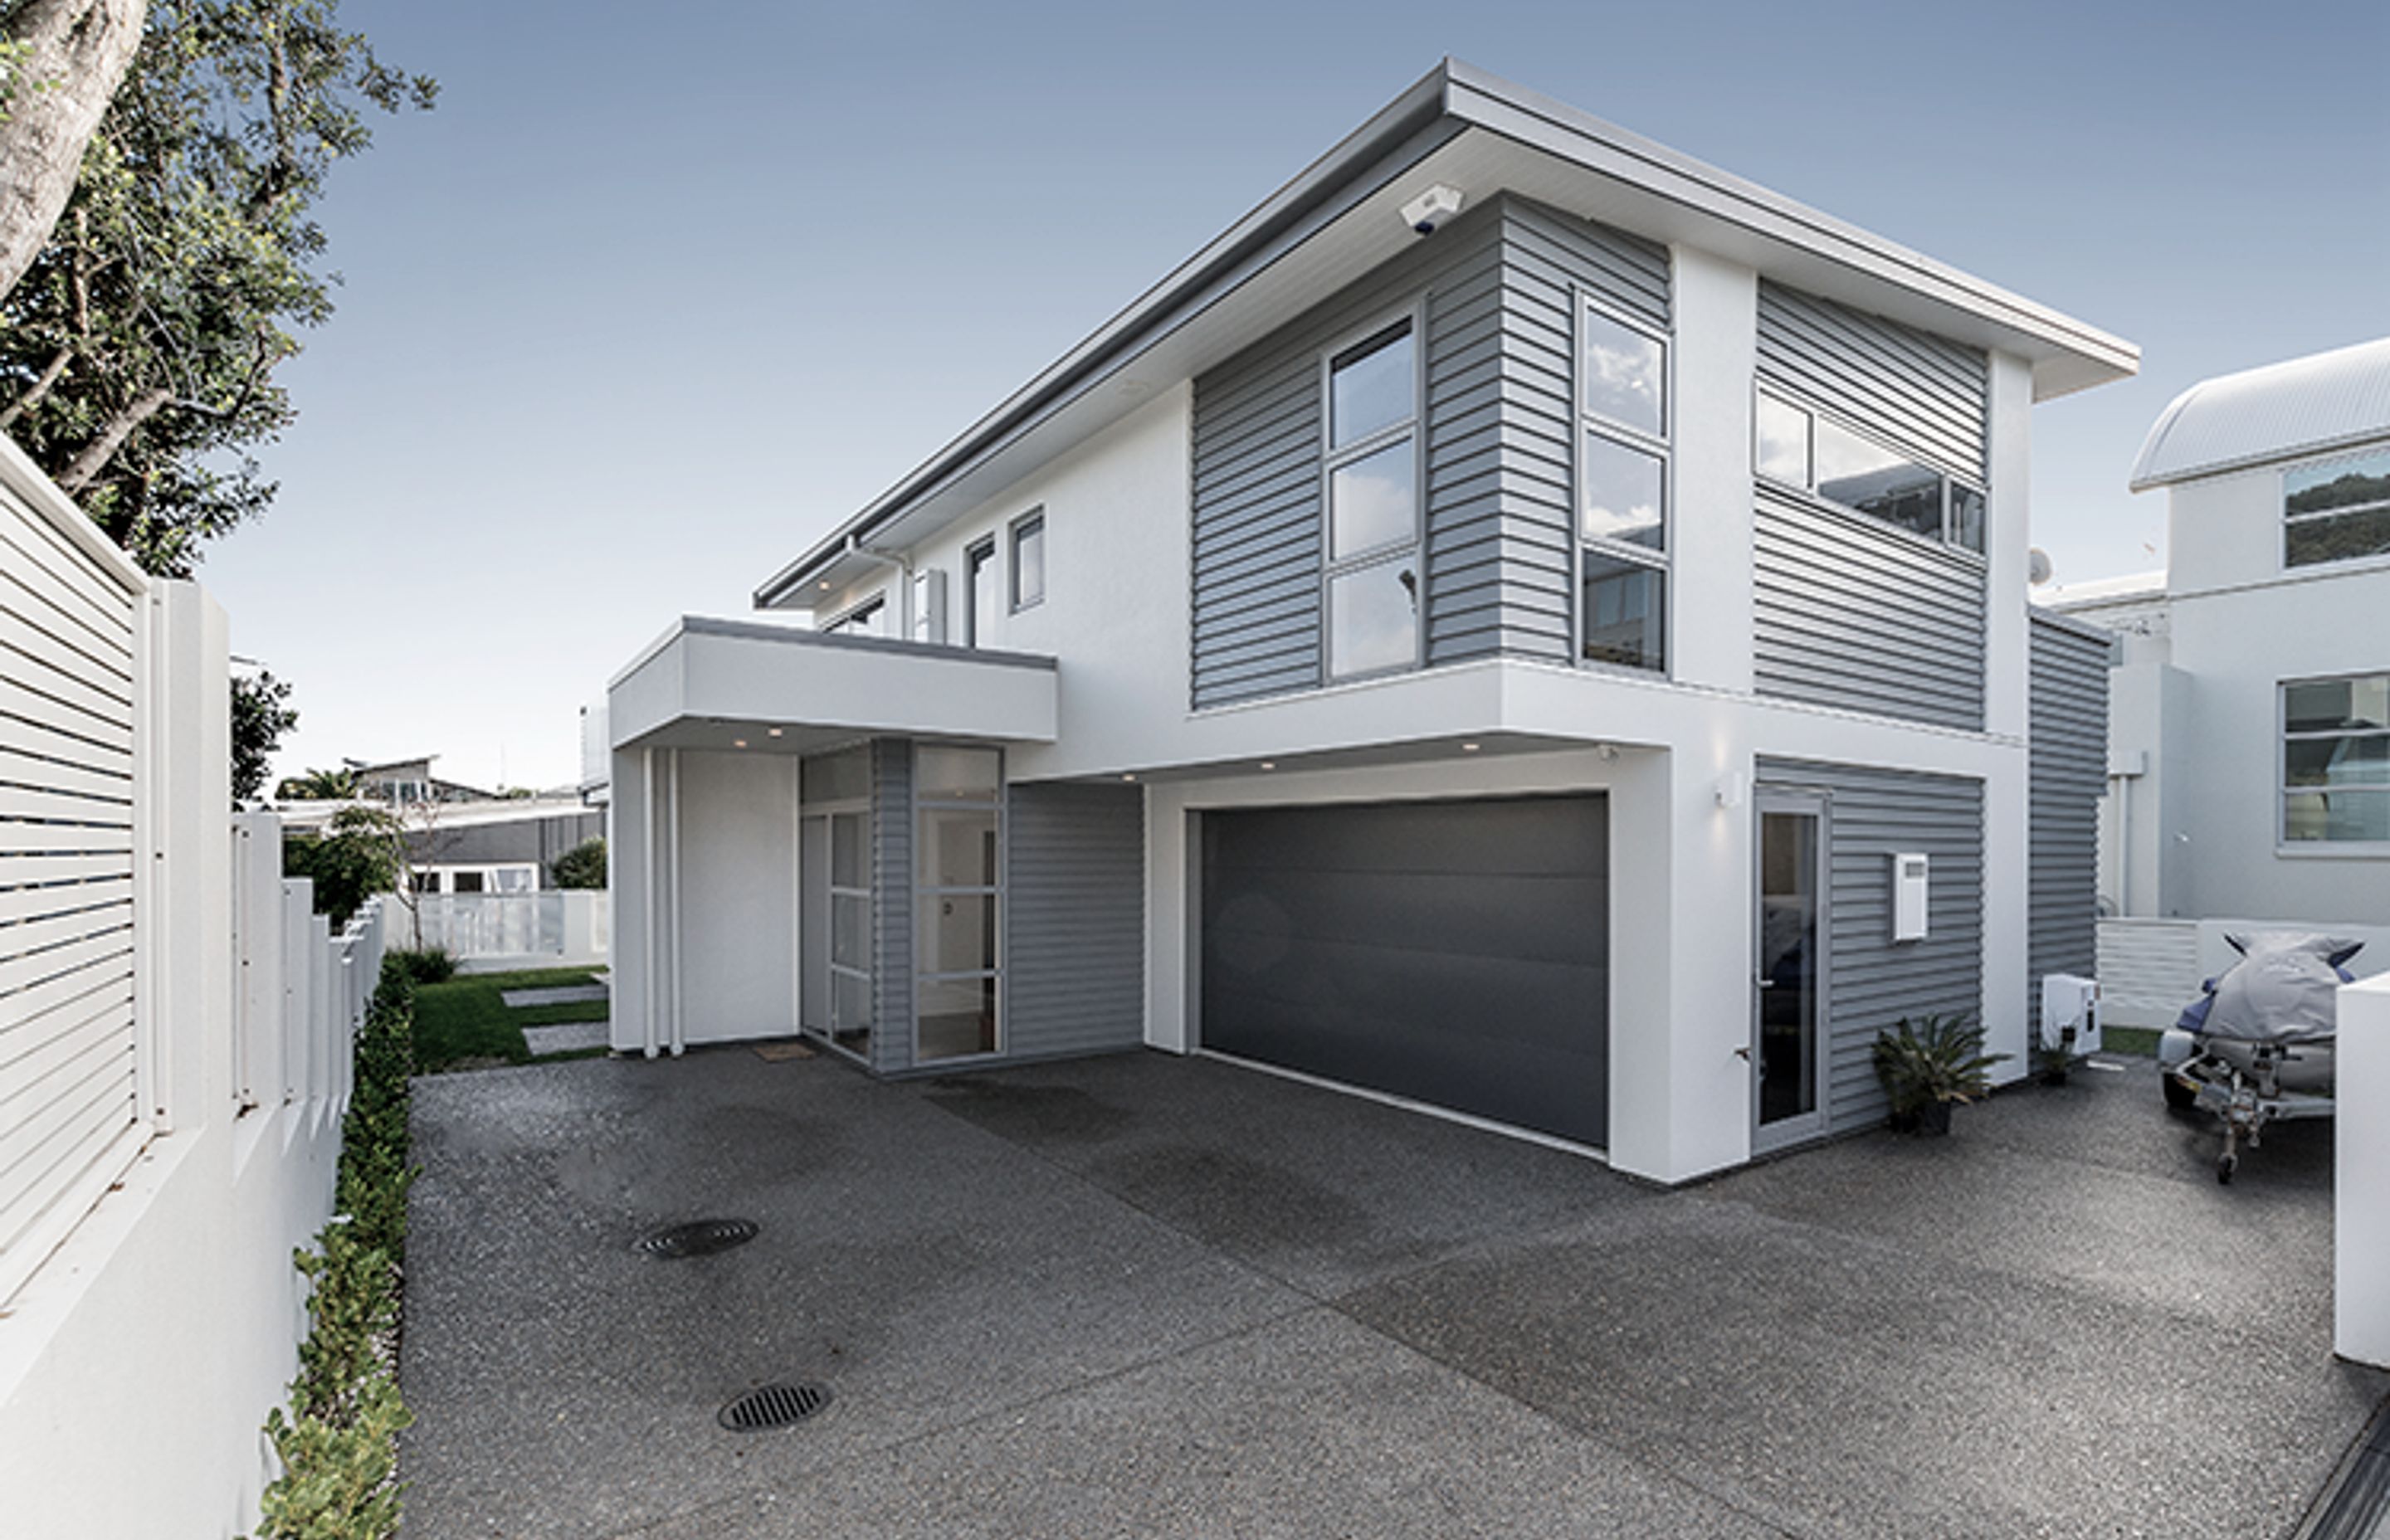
(2361, 1175)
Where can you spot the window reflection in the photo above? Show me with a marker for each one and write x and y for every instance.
(1623, 488)
(1625, 375)
(1372, 387)
(1625, 613)
(1373, 618)
(1373, 501)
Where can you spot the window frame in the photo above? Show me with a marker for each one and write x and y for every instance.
(1949, 480)
(1585, 422)
(1032, 522)
(1412, 319)
(978, 557)
(2282, 493)
(2284, 790)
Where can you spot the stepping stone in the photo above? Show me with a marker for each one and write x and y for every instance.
(567, 994)
(567, 1037)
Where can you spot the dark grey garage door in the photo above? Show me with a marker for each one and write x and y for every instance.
(1455, 953)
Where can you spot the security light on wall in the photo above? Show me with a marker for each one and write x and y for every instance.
(1432, 208)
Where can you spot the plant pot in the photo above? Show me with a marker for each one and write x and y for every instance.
(1904, 1120)
(2054, 1077)
(1933, 1119)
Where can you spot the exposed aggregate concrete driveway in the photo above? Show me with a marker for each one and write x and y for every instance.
(1153, 1296)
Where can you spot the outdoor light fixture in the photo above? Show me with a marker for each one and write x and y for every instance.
(1732, 788)
(1128, 777)
(739, 743)
(774, 732)
(1269, 765)
(1471, 748)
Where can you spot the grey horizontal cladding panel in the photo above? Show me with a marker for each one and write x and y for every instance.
(1874, 981)
(892, 905)
(1926, 394)
(1075, 923)
(1866, 619)
(1256, 448)
(2067, 741)
(1484, 489)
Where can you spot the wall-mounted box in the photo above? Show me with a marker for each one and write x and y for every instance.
(1909, 890)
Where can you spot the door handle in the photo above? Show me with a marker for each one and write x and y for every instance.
(1763, 984)
(1743, 1053)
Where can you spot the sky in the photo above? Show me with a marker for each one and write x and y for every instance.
(657, 295)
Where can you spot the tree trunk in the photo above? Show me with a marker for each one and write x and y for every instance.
(77, 53)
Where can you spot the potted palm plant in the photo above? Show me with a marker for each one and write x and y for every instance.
(1930, 1061)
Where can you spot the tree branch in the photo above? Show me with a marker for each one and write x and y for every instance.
(39, 389)
(96, 454)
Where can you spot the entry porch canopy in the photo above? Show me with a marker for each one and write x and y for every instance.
(707, 728)
(750, 685)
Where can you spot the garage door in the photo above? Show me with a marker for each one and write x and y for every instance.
(1456, 953)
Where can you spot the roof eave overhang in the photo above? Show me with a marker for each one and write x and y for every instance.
(1714, 208)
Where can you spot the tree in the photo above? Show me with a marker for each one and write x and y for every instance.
(64, 61)
(260, 716)
(362, 853)
(138, 353)
(582, 866)
(318, 786)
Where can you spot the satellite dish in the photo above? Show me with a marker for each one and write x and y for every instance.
(2036, 566)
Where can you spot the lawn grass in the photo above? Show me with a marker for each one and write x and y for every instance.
(466, 1024)
(2132, 1042)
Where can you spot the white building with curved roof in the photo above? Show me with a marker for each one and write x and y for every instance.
(2249, 771)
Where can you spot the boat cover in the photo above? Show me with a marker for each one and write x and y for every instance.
(2283, 989)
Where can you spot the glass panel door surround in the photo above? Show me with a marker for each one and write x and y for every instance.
(1789, 987)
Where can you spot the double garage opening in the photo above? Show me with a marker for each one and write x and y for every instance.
(1453, 952)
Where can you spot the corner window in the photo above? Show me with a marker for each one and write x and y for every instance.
(1029, 561)
(2336, 761)
(979, 593)
(1813, 451)
(1372, 495)
(2337, 511)
(867, 618)
(1621, 478)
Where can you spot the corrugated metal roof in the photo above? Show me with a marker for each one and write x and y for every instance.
(2305, 407)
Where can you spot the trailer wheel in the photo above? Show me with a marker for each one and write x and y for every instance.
(2181, 1098)
(2225, 1166)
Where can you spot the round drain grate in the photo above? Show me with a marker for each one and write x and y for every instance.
(775, 1406)
(700, 1237)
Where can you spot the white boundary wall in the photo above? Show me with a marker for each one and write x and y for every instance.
(2150, 968)
(149, 1312)
(2361, 1176)
(545, 929)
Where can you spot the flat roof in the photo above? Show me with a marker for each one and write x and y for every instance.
(1484, 135)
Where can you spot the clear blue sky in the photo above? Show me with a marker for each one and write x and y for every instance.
(660, 293)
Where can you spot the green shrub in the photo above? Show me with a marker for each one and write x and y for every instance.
(582, 866)
(1935, 1058)
(338, 1440)
(429, 965)
(362, 854)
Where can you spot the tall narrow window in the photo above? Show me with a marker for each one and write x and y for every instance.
(1622, 493)
(960, 889)
(979, 590)
(1029, 561)
(1372, 588)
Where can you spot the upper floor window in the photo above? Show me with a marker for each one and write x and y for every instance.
(979, 593)
(1809, 450)
(1372, 468)
(1622, 493)
(2337, 760)
(2336, 511)
(868, 619)
(1029, 561)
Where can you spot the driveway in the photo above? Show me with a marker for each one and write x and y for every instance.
(1153, 1296)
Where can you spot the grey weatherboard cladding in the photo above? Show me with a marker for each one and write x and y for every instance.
(1074, 919)
(1848, 610)
(2067, 764)
(1874, 980)
(892, 903)
(1500, 430)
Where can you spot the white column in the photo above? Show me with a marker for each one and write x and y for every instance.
(1716, 313)
(2360, 1177)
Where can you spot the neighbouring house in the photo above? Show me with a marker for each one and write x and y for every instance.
(1524, 623)
(2249, 729)
(505, 845)
(405, 782)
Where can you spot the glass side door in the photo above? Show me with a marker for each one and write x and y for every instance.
(1788, 1051)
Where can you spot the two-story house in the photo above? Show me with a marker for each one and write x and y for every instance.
(1524, 623)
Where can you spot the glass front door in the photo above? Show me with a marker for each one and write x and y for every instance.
(1787, 1054)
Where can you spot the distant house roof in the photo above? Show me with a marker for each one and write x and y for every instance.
(2136, 587)
(2307, 405)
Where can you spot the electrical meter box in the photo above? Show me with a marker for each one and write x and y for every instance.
(1908, 887)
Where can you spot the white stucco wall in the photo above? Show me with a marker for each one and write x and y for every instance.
(2360, 1175)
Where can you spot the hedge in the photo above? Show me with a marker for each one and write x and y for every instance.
(338, 1440)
